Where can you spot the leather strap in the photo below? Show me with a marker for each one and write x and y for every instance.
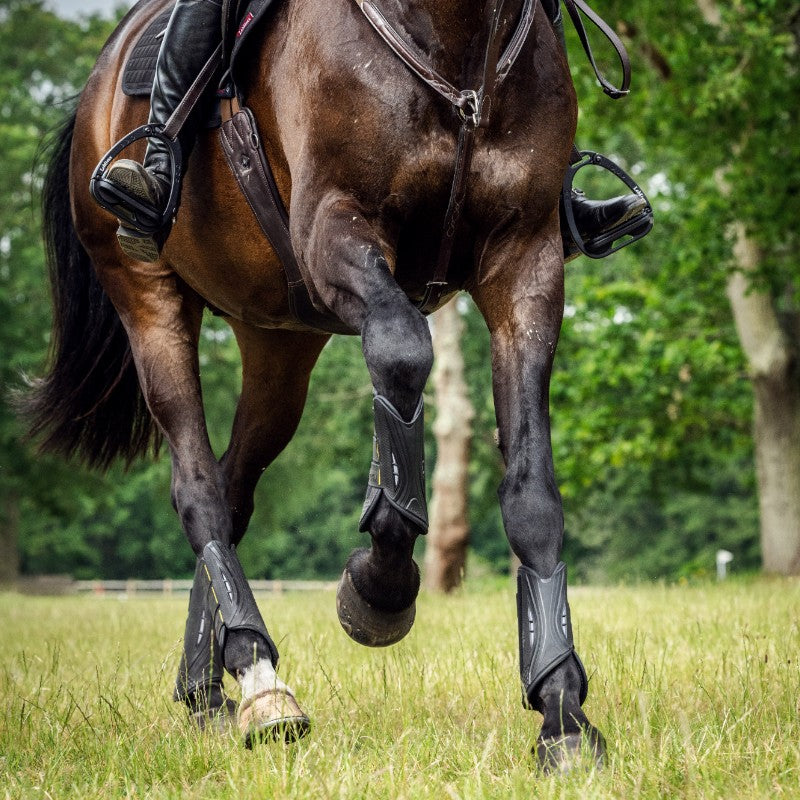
(181, 113)
(463, 100)
(406, 53)
(245, 155)
(574, 8)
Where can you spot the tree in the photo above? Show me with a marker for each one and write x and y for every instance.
(446, 543)
(770, 339)
(733, 82)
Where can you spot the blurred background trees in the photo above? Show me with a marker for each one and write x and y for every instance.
(653, 393)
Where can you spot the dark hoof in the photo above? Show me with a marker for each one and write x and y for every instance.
(367, 625)
(564, 754)
(215, 720)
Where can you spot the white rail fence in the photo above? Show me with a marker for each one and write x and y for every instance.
(63, 584)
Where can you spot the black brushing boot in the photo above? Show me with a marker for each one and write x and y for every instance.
(199, 681)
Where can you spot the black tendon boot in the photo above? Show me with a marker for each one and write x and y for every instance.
(592, 217)
(268, 709)
(545, 643)
(199, 681)
(141, 190)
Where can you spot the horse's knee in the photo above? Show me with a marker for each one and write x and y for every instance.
(398, 351)
(534, 521)
(198, 497)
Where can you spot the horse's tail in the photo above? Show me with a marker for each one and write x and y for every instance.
(90, 403)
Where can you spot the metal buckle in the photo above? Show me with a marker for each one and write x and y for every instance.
(148, 131)
(470, 110)
(619, 236)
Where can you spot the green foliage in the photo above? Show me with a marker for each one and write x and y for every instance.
(651, 403)
(43, 62)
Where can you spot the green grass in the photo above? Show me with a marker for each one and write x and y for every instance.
(697, 689)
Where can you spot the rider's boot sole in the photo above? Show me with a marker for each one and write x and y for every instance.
(138, 246)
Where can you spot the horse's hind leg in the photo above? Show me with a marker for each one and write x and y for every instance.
(162, 318)
(523, 309)
(352, 277)
(276, 366)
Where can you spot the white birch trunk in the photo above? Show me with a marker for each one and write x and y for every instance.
(773, 364)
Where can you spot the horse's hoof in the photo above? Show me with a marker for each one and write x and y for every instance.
(215, 720)
(367, 625)
(272, 715)
(564, 754)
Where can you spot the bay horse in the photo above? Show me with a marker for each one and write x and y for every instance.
(363, 152)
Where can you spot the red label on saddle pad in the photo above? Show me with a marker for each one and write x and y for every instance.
(245, 22)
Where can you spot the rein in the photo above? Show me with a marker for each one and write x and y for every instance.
(575, 8)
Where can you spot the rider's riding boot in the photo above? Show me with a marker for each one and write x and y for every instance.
(592, 217)
(193, 32)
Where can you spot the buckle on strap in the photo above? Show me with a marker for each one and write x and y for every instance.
(618, 236)
(98, 182)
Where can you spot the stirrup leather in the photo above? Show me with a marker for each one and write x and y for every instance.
(398, 464)
(545, 629)
(618, 236)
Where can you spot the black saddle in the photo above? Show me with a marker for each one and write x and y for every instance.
(239, 19)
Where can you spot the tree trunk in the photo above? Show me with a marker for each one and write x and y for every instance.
(9, 540)
(446, 545)
(773, 362)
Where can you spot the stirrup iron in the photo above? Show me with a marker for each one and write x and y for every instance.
(107, 195)
(617, 236)
(398, 464)
(545, 629)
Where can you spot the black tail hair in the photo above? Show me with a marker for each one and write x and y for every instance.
(89, 404)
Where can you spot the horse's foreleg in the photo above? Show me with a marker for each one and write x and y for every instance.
(276, 366)
(351, 276)
(523, 309)
(162, 317)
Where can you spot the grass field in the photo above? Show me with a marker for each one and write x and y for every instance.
(697, 689)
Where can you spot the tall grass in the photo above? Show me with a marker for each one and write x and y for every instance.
(696, 688)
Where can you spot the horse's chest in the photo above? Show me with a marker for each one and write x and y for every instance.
(500, 175)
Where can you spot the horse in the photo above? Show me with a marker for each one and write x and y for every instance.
(363, 153)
